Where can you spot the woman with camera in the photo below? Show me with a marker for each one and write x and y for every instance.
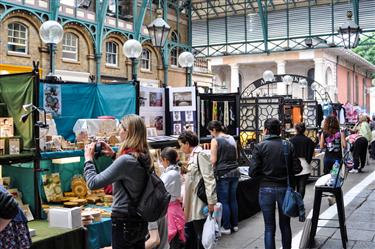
(129, 170)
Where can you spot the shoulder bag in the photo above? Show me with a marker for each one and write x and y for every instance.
(293, 205)
(201, 188)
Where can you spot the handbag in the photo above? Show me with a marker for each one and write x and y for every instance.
(201, 188)
(293, 205)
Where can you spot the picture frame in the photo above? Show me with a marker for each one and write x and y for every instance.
(14, 145)
(6, 127)
(182, 99)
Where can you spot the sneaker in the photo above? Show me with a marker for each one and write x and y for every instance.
(235, 228)
(225, 231)
(353, 171)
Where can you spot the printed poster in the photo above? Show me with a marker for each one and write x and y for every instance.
(152, 108)
(52, 99)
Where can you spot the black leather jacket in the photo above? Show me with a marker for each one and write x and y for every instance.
(268, 161)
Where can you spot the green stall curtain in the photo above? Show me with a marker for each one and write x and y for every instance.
(15, 91)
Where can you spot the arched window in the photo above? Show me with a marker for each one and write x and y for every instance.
(70, 47)
(111, 53)
(17, 38)
(146, 59)
(174, 51)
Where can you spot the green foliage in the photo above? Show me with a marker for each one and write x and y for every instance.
(366, 48)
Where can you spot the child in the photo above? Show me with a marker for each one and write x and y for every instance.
(172, 182)
(14, 232)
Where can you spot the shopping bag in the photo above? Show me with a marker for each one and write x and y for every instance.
(209, 233)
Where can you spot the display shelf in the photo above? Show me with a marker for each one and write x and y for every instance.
(20, 158)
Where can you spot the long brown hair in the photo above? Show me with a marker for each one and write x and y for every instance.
(135, 136)
(331, 125)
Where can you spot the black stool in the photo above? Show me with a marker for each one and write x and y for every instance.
(337, 192)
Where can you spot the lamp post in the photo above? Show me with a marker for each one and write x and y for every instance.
(158, 30)
(186, 60)
(288, 80)
(303, 83)
(349, 32)
(268, 76)
(51, 32)
(132, 49)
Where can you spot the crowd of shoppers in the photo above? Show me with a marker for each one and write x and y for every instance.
(182, 227)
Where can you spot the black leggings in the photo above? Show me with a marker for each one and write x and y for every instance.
(301, 184)
(193, 234)
(359, 152)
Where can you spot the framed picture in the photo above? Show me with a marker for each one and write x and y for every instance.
(156, 99)
(177, 129)
(14, 146)
(6, 127)
(182, 99)
(189, 116)
(176, 116)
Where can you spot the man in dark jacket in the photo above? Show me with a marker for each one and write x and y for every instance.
(270, 165)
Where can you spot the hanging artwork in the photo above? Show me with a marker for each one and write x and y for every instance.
(182, 99)
(52, 99)
(152, 108)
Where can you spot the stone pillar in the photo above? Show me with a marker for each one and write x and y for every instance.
(281, 87)
(234, 78)
(319, 72)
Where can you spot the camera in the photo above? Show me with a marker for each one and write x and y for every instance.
(97, 150)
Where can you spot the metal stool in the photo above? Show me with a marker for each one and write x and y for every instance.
(319, 193)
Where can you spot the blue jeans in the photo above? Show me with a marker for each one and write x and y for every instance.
(268, 197)
(226, 189)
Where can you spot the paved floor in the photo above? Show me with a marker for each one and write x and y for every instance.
(359, 191)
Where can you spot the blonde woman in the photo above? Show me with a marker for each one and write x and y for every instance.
(128, 171)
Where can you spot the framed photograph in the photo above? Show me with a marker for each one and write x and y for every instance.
(157, 122)
(176, 116)
(156, 99)
(189, 127)
(14, 146)
(177, 129)
(182, 99)
(6, 127)
(189, 116)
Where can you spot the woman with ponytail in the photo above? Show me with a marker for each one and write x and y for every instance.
(224, 161)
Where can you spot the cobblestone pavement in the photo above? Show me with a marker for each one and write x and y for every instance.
(360, 220)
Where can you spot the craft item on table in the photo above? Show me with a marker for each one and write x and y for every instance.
(113, 140)
(94, 212)
(6, 181)
(79, 187)
(6, 127)
(14, 146)
(69, 194)
(26, 210)
(226, 113)
(81, 202)
(107, 198)
(80, 145)
(100, 204)
(220, 111)
(202, 113)
(71, 204)
(92, 199)
(65, 217)
(86, 219)
(98, 192)
(214, 110)
(52, 187)
(57, 142)
(232, 111)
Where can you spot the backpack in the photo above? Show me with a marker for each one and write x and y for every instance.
(154, 200)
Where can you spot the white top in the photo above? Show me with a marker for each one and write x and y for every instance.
(172, 181)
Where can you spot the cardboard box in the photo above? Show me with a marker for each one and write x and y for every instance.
(65, 217)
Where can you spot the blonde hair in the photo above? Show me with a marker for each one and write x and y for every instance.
(135, 136)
